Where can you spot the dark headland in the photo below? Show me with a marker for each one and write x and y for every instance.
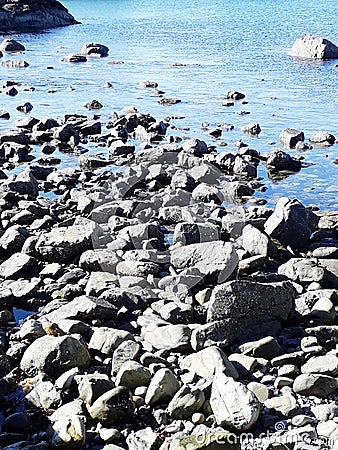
(33, 15)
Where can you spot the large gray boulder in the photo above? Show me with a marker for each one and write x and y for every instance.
(210, 258)
(54, 356)
(242, 310)
(63, 244)
(33, 15)
(313, 47)
(291, 223)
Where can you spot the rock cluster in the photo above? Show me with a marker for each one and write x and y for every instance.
(33, 15)
(162, 312)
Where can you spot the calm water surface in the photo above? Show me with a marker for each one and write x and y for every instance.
(229, 44)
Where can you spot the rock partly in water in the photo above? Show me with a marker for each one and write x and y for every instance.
(313, 47)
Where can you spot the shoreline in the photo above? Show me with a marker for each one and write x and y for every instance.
(167, 309)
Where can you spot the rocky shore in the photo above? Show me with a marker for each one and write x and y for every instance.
(33, 15)
(166, 306)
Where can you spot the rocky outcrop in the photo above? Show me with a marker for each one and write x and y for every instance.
(33, 14)
(313, 47)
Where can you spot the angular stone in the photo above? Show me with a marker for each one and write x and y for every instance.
(210, 258)
(83, 308)
(145, 439)
(290, 136)
(168, 337)
(16, 266)
(63, 244)
(193, 233)
(91, 387)
(291, 223)
(246, 309)
(313, 47)
(233, 404)
(126, 351)
(315, 384)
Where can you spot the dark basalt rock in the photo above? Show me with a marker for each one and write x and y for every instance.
(33, 15)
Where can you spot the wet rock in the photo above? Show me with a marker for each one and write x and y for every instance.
(233, 404)
(54, 355)
(4, 114)
(291, 223)
(290, 137)
(119, 148)
(14, 63)
(279, 161)
(235, 95)
(113, 406)
(27, 106)
(313, 47)
(11, 45)
(252, 128)
(322, 138)
(93, 49)
(94, 104)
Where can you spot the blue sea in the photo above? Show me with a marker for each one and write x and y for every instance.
(219, 45)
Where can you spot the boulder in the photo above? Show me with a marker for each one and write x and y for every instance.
(240, 310)
(33, 15)
(163, 386)
(208, 362)
(63, 244)
(186, 402)
(290, 136)
(16, 266)
(113, 406)
(216, 258)
(322, 138)
(291, 223)
(54, 356)
(11, 45)
(93, 49)
(315, 384)
(279, 161)
(233, 404)
(313, 47)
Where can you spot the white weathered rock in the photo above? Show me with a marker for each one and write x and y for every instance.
(163, 386)
(313, 47)
(208, 362)
(233, 404)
